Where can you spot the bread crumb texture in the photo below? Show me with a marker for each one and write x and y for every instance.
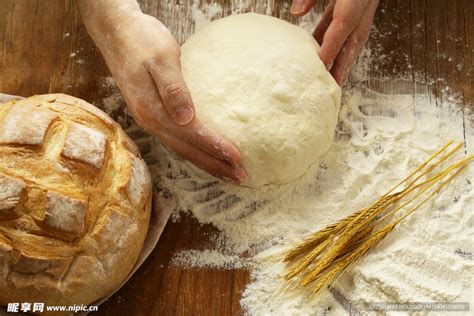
(75, 201)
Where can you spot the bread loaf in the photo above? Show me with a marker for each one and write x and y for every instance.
(75, 202)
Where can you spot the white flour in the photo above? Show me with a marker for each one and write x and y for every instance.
(208, 258)
(379, 140)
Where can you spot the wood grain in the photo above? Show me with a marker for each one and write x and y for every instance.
(426, 44)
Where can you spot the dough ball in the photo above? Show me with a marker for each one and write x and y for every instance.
(259, 82)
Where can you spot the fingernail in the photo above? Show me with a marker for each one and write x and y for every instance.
(183, 115)
(297, 7)
(240, 174)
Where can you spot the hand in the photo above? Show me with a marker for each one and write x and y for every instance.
(144, 59)
(342, 32)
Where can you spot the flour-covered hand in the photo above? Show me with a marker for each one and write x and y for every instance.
(144, 59)
(342, 32)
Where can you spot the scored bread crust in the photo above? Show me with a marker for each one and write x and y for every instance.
(75, 202)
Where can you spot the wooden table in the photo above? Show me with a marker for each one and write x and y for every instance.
(45, 48)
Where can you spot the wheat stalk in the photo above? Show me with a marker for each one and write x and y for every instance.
(321, 258)
(320, 241)
(312, 255)
(319, 236)
(316, 238)
(360, 248)
(342, 240)
(330, 273)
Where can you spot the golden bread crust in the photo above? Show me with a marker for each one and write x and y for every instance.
(75, 201)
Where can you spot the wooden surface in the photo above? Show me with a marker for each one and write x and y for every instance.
(45, 48)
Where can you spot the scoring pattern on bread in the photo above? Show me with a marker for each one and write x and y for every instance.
(25, 125)
(85, 144)
(75, 199)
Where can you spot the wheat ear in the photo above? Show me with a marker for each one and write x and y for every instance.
(339, 245)
(362, 247)
(313, 241)
(316, 238)
(329, 274)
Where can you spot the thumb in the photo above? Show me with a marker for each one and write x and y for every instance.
(301, 7)
(167, 74)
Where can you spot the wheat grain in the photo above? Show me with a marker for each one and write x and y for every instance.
(322, 257)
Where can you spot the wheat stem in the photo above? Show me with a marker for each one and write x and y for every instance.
(345, 262)
(424, 164)
(315, 239)
(339, 245)
(352, 228)
(433, 193)
(439, 162)
(308, 259)
(432, 181)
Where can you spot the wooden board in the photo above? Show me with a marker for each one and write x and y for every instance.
(45, 48)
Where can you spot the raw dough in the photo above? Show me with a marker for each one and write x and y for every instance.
(259, 82)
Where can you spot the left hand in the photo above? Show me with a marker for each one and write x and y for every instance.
(342, 32)
(144, 59)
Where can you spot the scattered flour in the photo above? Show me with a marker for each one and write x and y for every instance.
(114, 104)
(115, 100)
(202, 16)
(380, 138)
(208, 258)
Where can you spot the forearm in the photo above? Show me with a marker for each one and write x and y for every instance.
(102, 17)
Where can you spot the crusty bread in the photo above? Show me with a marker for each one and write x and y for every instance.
(75, 202)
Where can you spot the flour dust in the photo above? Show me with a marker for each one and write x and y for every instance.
(380, 138)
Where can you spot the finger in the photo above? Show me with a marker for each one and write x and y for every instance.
(347, 15)
(146, 108)
(354, 44)
(167, 74)
(211, 142)
(323, 25)
(148, 112)
(203, 160)
(301, 7)
(344, 61)
(195, 133)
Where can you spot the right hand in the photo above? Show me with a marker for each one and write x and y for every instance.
(144, 59)
(342, 32)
